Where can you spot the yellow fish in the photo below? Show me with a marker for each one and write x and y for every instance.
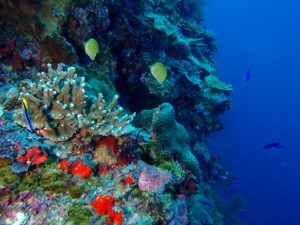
(159, 71)
(91, 48)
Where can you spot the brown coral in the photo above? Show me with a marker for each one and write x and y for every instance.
(54, 103)
(57, 102)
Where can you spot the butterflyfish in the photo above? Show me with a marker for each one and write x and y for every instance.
(91, 48)
(26, 114)
(159, 71)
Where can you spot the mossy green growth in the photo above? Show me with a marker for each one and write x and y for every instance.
(29, 181)
(153, 154)
(50, 160)
(76, 191)
(6, 176)
(53, 179)
(173, 167)
(79, 215)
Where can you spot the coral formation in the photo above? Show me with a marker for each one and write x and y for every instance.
(104, 204)
(83, 170)
(56, 104)
(33, 156)
(171, 135)
(152, 179)
(129, 180)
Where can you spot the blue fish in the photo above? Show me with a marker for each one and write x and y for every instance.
(26, 115)
(272, 145)
(247, 74)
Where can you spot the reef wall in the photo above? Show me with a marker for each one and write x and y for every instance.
(70, 141)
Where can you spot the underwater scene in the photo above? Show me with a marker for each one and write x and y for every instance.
(149, 112)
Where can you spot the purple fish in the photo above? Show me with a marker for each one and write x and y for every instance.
(247, 74)
(272, 145)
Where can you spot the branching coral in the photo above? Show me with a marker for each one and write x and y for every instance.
(54, 103)
(57, 108)
(103, 120)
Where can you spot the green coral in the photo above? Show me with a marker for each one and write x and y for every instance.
(153, 154)
(29, 181)
(79, 214)
(49, 179)
(53, 179)
(170, 135)
(76, 191)
(6, 176)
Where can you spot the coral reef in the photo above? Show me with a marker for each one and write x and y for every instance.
(84, 162)
(130, 39)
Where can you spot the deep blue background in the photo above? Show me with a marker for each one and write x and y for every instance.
(265, 36)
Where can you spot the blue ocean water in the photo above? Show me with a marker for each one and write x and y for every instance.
(264, 36)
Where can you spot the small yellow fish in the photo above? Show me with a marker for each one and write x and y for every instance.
(159, 71)
(91, 48)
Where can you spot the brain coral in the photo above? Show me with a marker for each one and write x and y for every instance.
(172, 136)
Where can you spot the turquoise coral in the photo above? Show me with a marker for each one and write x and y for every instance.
(172, 136)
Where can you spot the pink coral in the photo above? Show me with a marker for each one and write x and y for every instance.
(33, 156)
(152, 179)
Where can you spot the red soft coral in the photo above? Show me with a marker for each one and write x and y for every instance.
(33, 156)
(103, 205)
(129, 180)
(115, 217)
(64, 165)
(81, 169)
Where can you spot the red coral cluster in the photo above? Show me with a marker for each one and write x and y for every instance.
(129, 180)
(83, 170)
(111, 142)
(106, 151)
(64, 165)
(113, 153)
(33, 156)
(77, 168)
(103, 205)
